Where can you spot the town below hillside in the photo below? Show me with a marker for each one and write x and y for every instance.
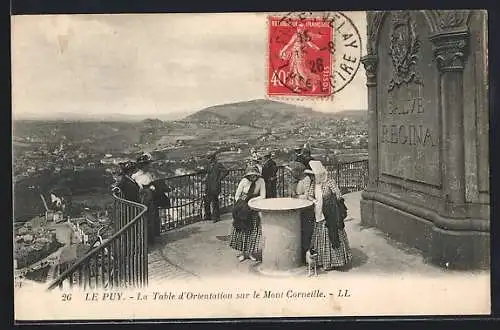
(63, 170)
(78, 159)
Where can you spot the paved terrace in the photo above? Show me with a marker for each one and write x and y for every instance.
(201, 250)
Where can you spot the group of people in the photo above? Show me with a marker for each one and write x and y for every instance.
(215, 172)
(136, 183)
(322, 225)
(323, 229)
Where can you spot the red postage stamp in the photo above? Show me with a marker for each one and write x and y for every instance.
(300, 57)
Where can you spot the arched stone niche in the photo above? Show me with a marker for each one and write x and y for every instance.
(437, 21)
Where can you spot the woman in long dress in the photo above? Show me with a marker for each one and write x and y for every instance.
(329, 238)
(247, 242)
(144, 178)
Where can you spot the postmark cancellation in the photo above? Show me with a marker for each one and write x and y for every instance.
(311, 55)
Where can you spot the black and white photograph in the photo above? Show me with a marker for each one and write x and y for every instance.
(212, 165)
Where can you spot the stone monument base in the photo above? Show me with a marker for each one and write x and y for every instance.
(453, 249)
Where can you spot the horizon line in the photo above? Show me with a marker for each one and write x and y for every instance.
(133, 118)
(177, 115)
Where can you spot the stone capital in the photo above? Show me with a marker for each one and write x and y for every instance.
(450, 50)
(370, 64)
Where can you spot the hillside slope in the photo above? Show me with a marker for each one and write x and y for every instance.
(260, 113)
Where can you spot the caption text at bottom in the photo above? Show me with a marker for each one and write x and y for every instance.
(289, 294)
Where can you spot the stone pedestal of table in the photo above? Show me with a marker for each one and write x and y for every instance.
(281, 231)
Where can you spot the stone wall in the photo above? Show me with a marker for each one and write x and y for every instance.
(428, 132)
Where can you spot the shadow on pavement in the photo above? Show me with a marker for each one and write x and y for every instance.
(359, 258)
(176, 235)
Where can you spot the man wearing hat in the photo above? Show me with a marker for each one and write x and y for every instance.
(215, 173)
(269, 170)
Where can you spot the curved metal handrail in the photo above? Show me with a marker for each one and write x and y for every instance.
(95, 251)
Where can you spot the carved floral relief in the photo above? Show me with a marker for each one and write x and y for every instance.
(403, 49)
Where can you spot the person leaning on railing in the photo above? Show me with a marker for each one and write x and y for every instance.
(214, 175)
(125, 184)
(144, 179)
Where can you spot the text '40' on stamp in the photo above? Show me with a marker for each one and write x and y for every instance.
(311, 55)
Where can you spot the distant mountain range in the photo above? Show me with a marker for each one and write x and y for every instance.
(251, 113)
(252, 120)
(84, 117)
(263, 113)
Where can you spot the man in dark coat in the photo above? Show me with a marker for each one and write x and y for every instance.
(269, 170)
(215, 173)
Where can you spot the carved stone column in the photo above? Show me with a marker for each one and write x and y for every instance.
(370, 64)
(450, 50)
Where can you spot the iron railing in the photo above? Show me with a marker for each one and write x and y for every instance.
(350, 177)
(120, 261)
(188, 190)
(186, 198)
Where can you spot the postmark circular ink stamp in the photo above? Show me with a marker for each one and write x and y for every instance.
(311, 54)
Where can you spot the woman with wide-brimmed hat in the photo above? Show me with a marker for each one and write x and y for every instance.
(144, 178)
(246, 234)
(141, 173)
(329, 238)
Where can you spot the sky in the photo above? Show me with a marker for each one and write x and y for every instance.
(147, 65)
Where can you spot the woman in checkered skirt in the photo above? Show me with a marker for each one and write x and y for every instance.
(248, 241)
(329, 238)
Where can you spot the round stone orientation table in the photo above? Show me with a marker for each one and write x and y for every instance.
(281, 233)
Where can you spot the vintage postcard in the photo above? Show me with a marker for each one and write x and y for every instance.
(236, 165)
